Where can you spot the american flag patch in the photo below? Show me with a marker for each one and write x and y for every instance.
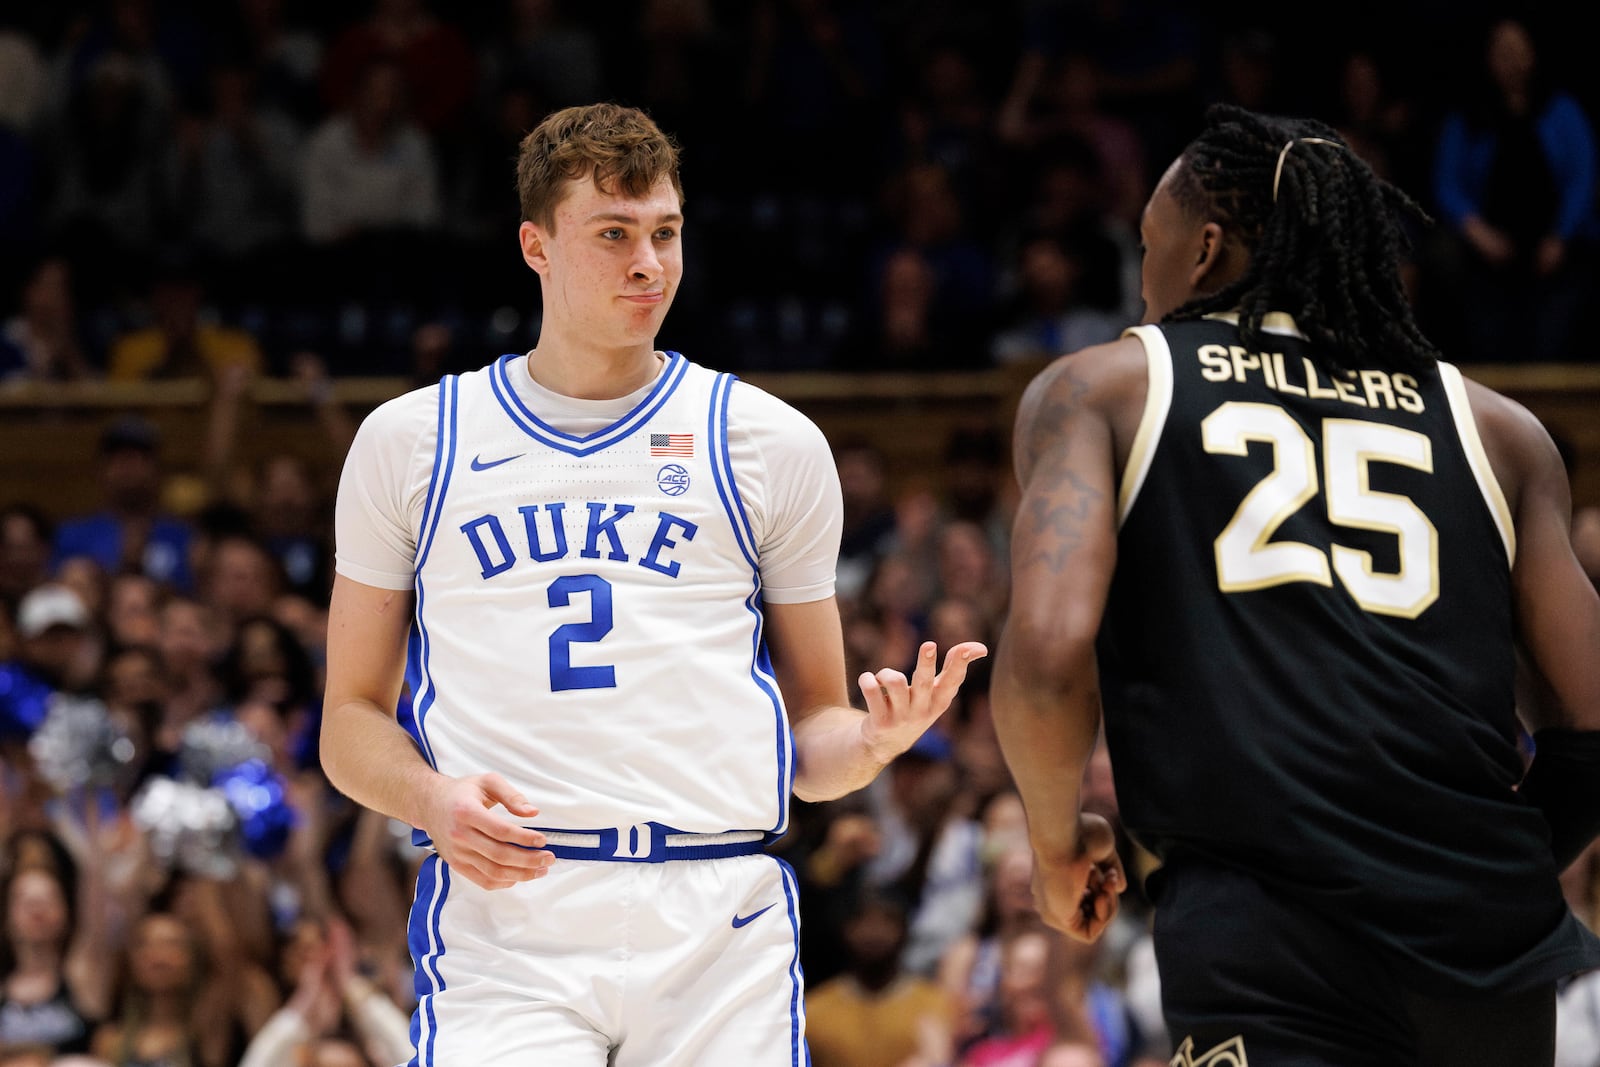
(672, 444)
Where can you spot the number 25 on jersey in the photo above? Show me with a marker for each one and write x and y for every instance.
(1248, 558)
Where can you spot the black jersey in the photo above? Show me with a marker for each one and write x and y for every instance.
(1307, 662)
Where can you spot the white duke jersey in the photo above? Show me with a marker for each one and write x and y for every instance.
(589, 580)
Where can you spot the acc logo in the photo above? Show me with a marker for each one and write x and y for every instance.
(672, 480)
(1228, 1054)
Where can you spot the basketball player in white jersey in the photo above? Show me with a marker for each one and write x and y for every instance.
(578, 560)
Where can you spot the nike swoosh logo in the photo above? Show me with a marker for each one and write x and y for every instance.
(479, 465)
(746, 920)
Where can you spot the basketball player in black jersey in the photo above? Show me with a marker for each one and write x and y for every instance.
(1295, 554)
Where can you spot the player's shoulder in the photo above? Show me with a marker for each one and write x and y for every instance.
(1519, 446)
(401, 422)
(750, 405)
(1099, 376)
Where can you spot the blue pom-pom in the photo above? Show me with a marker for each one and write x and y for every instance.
(256, 794)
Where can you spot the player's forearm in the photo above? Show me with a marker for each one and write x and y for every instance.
(1046, 723)
(369, 757)
(832, 757)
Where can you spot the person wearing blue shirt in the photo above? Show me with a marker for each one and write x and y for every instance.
(1514, 181)
(130, 533)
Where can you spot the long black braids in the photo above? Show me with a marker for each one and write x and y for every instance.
(1322, 231)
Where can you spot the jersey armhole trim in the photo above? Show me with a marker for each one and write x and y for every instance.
(1157, 404)
(1467, 429)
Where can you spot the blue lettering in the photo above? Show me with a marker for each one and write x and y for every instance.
(490, 568)
(558, 529)
(608, 527)
(663, 539)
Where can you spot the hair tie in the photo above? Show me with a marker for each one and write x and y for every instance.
(1283, 154)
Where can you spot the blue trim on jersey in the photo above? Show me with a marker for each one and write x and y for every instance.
(417, 649)
(733, 506)
(541, 431)
(798, 1048)
(427, 945)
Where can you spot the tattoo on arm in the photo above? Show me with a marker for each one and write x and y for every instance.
(1059, 500)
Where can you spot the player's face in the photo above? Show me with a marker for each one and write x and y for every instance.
(1167, 234)
(611, 265)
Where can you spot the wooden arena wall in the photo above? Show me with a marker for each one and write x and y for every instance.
(48, 433)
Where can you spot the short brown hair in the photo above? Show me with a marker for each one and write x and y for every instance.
(620, 147)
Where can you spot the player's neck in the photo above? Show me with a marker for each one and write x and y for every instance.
(587, 373)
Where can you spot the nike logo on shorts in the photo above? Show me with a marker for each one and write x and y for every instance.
(479, 465)
(746, 920)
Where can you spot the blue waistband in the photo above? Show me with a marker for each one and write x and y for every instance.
(649, 842)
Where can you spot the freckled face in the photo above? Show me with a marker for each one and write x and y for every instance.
(611, 266)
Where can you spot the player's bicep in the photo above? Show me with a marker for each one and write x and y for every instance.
(1064, 537)
(807, 646)
(1558, 611)
(367, 632)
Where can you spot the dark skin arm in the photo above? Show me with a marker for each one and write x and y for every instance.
(1071, 431)
(1558, 611)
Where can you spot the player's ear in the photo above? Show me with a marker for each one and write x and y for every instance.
(1208, 257)
(533, 236)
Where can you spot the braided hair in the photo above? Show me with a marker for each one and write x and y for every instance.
(1322, 231)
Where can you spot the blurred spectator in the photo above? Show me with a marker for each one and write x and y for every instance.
(935, 281)
(929, 856)
(876, 1015)
(1250, 75)
(1377, 123)
(1057, 104)
(103, 160)
(1023, 1029)
(25, 539)
(1086, 1005)
(23, 81)
(815, 66)
(41, 342)
(55, 655)
(180, 342)
(133, 610)
(329, 992)
(541, 46)
(970, 970)
(131, 532)
(169, 1003)
(1578, 997)
(189, 648)
(970, 569)
(1064, 198)
(1148, 52)
(1514, 179)
(868, 515)
(905, 327)
(235, 170)
(1071, 1054)
(240, 580)
(432, 60)
(367, 168)
(946, 120)
(284, 58)
(52, 970)
(1050, 317)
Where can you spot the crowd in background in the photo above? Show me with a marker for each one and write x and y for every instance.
(258, 187)
(871, 184)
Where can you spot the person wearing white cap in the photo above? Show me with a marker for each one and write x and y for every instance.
(53, 626)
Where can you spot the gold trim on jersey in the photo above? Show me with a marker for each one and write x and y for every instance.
(1455, 391)
(1157, 404)
(1228, 1054)
(1280, 322)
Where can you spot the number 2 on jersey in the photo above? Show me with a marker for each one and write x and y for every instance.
(563, 675)
(1248, 558)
